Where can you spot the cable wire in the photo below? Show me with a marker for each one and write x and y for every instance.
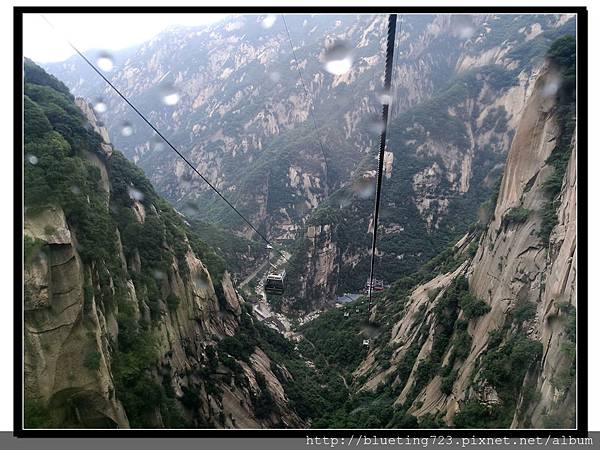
(151, 125)
(389, 58)
(297, 63)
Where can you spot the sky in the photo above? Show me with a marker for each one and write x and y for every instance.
(109, 32)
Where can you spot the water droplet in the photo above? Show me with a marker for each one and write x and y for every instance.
(384, 96)
(134, 194)
(126, 129)
(338, 58)
(301, 207)
(201, 281)
(75, 190)
(365, 187)
(41, 257)
(186, 179)
(170, 96)
(345, 200)
(275, 76)
(104, 62)
(463, 27)
(551, 86)
(466, 32)
(268, 21)
(376, 125)
(100, 106)
(159, 275)
(157, 143)
(32, 159)
(190, 208)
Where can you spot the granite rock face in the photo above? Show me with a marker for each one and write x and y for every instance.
(511, 271)
(74, 314)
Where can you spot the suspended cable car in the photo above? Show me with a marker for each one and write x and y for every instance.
(275, 284)
(377, 286)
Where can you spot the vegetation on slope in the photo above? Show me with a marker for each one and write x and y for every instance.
(348, 212)
(60, 148)
(562, 55)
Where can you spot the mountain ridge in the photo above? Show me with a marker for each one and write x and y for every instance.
(244, 120)
(476, 325)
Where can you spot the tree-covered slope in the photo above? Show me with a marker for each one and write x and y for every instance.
(483, 335)
(444, 159)
(244, 119)
(131, 319)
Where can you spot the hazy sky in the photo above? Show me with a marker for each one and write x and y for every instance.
(97, 31)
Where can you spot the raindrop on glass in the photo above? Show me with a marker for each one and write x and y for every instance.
(466, 32)
(157, 143)
(201, 281)
(105, 62)
(186, 179)
(100, 106)
(365, 187)
(344, 200)
(41, 257)
(338, 58)
(126, 129)
(551, 87)
(170, 96)
(301, 207)
(384, 97)
(268, 21)
(190, 208)
(275, 76)
(136, 195)
(376, 125)
(158, 275)
(463, 27)
(32, 159)
(75, 190)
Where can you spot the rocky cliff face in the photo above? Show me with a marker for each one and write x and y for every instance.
(241, 106)
(513, 265)
(446, 153)
(461, 83)
(124, 329)
(491, 342)
(132, 320)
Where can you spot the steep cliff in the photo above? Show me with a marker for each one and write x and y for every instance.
(130, 319)
(245, 121)
(484, 334)
(445, 156)
(133, 320)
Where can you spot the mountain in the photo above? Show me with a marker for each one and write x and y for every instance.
(130, 318)
(483, 336)
(133, 312)
(244, 120)
(445, 156)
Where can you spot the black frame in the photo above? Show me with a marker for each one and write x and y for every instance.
(582, 229)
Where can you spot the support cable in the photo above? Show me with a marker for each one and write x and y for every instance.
(151, 125)
(314, 121)
(389, 58)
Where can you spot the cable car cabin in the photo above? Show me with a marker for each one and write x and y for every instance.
(275, 284)
(377, 285)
